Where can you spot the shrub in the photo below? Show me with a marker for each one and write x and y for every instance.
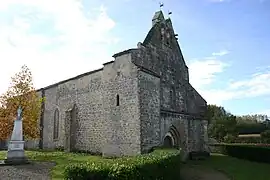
(248, 139)
(258, 153)
(160, 164)
(266, 136)
(229, 138)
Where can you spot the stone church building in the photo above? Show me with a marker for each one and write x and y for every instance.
(140, 100)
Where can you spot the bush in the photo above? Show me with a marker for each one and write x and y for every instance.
(258, 153)
(248, 139)
(160, 164)
(266, 136)
(229, 138)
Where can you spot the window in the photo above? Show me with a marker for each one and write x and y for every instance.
(56, 124)
(117, 100)
(172, 97)
(167, 42)
(168, 39)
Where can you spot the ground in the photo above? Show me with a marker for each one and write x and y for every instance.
(195, 172)
(217, 167)
(223, 167)
(39, 170)
(42, 170)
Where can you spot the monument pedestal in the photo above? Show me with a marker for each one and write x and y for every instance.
(15, 154)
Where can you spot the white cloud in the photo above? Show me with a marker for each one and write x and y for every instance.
(257, 85)
(219, 1)
(205, 71)
(220, 53)
(55, 39)
(254, 86)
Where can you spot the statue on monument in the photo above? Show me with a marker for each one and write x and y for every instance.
(15, 154)
(19, 113)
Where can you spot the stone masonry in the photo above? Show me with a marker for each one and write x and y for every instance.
(141, 100)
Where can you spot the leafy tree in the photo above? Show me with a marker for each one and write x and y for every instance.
(214, 113)
(266, 136)
(21, 92)
(221, 124)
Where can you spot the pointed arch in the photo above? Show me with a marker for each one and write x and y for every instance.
(172, 138)
(56, 125)
(176, 135)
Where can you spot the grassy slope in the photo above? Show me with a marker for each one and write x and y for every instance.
(238, 169)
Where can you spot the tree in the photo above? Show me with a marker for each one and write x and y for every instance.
(221, 123)
(214, 113)
(21, 92)
(266, 136)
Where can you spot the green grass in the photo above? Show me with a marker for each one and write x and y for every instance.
(61, 158)
(237, 169)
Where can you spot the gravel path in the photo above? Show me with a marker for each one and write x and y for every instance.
(33, 171)
(201, 173)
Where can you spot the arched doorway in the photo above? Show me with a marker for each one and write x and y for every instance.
(168, 142)
(172, 138)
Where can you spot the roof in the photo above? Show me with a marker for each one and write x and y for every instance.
(158, 15)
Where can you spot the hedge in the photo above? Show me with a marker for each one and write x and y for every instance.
(248, 139)
(257, 153)
(160, 164)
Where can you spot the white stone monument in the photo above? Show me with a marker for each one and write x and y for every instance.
(15, 154)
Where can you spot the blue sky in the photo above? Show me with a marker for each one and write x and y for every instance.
(225, 43)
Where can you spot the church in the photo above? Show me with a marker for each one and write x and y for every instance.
(140, 100)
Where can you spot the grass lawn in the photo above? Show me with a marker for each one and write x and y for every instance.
(61, 158)
(237, 169)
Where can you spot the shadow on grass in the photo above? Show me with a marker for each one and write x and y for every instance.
(236, 169)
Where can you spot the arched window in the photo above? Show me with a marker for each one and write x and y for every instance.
(56, 124)
(117, 100)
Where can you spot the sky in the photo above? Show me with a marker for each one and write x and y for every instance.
(225, 43)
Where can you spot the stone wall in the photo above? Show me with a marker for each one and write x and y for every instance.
(100, 124)
(84, 92)
(149, 89)
(160, 56)
(180, 122)
(122, 132)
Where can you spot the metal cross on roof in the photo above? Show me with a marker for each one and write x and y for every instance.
(161, 4)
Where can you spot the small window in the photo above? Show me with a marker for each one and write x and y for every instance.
(172, 97)
(117, 100)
